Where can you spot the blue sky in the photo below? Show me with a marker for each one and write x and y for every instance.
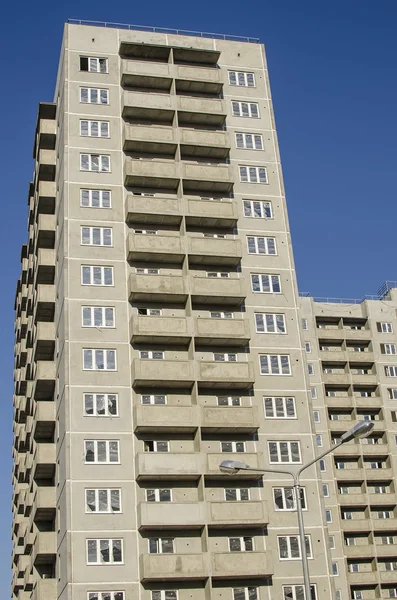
(333, 77)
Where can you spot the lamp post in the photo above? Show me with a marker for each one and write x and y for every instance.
(360, 430)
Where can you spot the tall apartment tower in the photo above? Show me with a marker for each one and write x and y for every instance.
(158, 333)
(352, 364)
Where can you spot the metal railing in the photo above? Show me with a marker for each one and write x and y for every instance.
(382, 293)
(202, 34)
(386, 287)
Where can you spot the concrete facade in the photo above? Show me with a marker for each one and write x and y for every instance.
(157, 316)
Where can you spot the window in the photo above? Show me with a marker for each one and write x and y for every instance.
(145, 231)
(221, 275)
(229, 401)
(241, 544)
(104, 551)
(331, 542)
(92, 275)
(95, 198)
(308, 347)
(100, 405)
(253, 174)
(97, 316)
(144, 271)
(266, 284)
(94, 95)
(245, 109)
(261, 245)
(161, 545)
(150, 312)
(155, 446)
(237, 494)
(151, 355)
(269, 323)
(325, 490)
(153, 399)
(232, 446)
(96, 236)
(390, 371)
(319, 440)
(388, 348)
(99, 360)
(221, 315)
(297, 592)
(158, 495)
(257, 209)
(242, 78)
(101, 451)
(316, 416)
(102, 501)
(385, 327)
(313, 393)
(328, 516)
(99, 163)
(275, 364)
(284, 498)
(335, 569)
(304, 325)
(310, 368)
(289, 547)
(358, 595)
(384, 514)
(284, 452)
(279, 407)
(387, 539)
(94, 128)
(392, 393)
(322, 464)
(93, 64)
(220, 357)
(164, 595)
(105, 596)
(250, 141)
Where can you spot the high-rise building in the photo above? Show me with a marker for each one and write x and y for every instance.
(158, 332)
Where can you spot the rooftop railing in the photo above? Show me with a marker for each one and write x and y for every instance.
(382, 293)
(202, 34)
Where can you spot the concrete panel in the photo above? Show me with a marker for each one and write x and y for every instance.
(164, 465)
(161, 567)
(232, 565)
(173, 515)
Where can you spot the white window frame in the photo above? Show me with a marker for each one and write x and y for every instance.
(392, 393)
(97, 236)
(234, 447)
(242, 78)
(111, 543)
(308, 347)
(146, 271)
(225, 357)
(164, 595)
(275, 364)
(216, 314)
(328, 515)
(90, 198)
(245, 109)
(310, 368)
(263, 246)
(159, 541)
(316, 416)
(95, 362)
(305, 325)
(313, 393)
(389, 349)
(257, 209)
(92, 92)
(249, 141)
(319, 440)
(153, 399)
(96, 163)
(251, 174)
(267, 283)
(156, 446)
(157, 495)
(391, 370)
(296, 539)
(218, 274)
(108, 492)
(150, 312)
(230, 400)
(335, 569)
(325, 490)
(100, 64)
(107, 445)
(152, 354)
(238, 494)
(106, 314)
(243, 540)
(385, 327)
(288, 496)
(101, 270)
(98, 400)
(94, 128)
(279, 407)
(284, 448)
(118, 595)
(298, 592)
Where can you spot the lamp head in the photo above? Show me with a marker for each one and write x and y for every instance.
(360, 430)
(231, 467)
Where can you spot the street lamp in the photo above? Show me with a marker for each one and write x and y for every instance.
(360, 430)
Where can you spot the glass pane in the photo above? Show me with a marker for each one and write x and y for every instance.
(266, 283)
(102, 451)
(85, 235)
(114, 451)
(248, 544)
(90, 499)
(153, 545)
(165, 495)
(97, 275)
(162, 446)
(89, 451)
(99, 359)
(290, 405)
(276, 283)
(112, 404)
(111, 359)
(105, 164)
(106, 199)
(235, 544)
(107, 236)
(89, 404)
(104, 550)
(244, 494)
(96, 236)
(108, 273)
(115, 500)
(230, 495)
(95, 198)
(102, 500)
(150, 495)
(117, 557)
(240, 447)
(100, 404)
(91, 551)
(167, 545)
(98, 316)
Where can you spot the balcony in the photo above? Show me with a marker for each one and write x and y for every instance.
(44, 460)
(235, 332)
(356, 525)
(45, 588)
(352, 499)
(336, 378)
(151, 173)
(195, 80)
(44, 345)
(237, 419)
(385, 550)
(214, 251)
(45, 266)
(155, 248)
(46, 227)
(170, 288)
(46, 191)
(382, 499)
(388, 576)
(238, 514)
(167, 330)
(170, 515)
(339, 401)
(44, 384)
(226, 375)
(365, 379)
(207, 177)
(44, 421)
(46, 128)
(214, 460)
(363, 578)
(153, 210)
(330, 356)
(44, 503)
(346, 424)
(46, 165)
(168, 466)
(362, 551)
(160, 373)
(165, 418)
(379, 474)
(357, 334)
(156, 108)
(45, 303)
(200, 111)
(360, 357)
(375, 450)
(164, 567)
(211, 213)
(213, 144)
(149, 138)
(218, 290)
(146, 75)
(247, 565)
(44, 547)
(384, 524)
